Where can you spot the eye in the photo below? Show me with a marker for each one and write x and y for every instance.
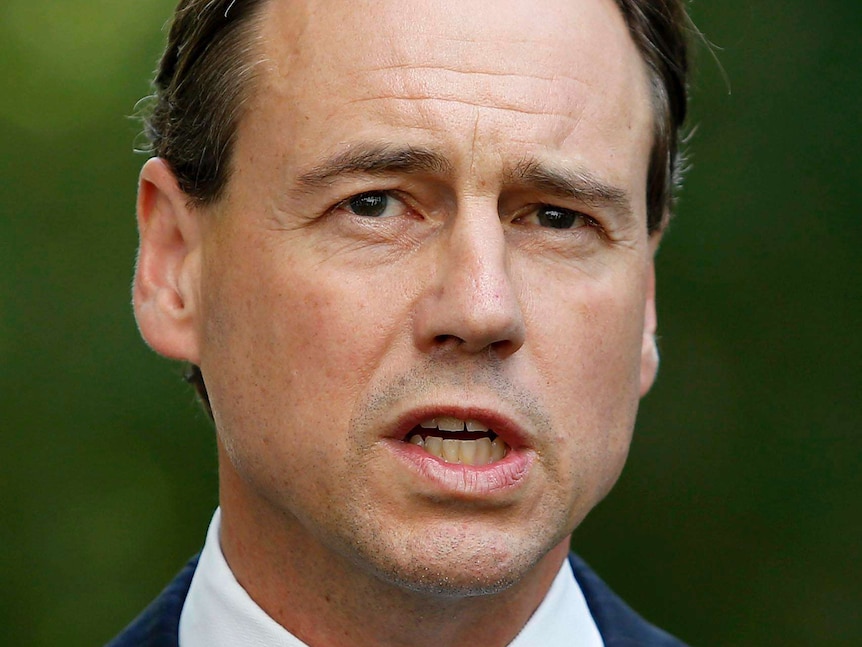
(373, 204)
(559, 218)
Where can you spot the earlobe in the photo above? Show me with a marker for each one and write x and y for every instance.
(167, 272)
(649, 348)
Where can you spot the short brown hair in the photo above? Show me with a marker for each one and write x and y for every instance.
(199, 91)
(205, 74)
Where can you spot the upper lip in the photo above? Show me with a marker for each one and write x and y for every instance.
(513, 434)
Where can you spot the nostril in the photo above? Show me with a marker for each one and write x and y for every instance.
(499, 348)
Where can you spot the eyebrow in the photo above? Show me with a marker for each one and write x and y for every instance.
(568, 183)
(375, 160)
(379, 159)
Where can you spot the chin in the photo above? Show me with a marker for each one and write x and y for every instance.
(455, 564)
(449, 581)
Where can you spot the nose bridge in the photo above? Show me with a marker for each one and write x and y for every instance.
(476, 262)
(474, 301)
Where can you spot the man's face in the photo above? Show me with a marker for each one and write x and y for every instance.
(437, 212)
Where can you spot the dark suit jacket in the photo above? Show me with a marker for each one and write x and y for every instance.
(619, 626)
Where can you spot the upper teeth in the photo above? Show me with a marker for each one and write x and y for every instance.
(467, 452)
(447, 423)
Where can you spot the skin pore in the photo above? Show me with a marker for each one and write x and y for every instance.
(435, 210)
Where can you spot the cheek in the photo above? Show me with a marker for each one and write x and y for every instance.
(588, 336)
(587, 345)
(291, 340)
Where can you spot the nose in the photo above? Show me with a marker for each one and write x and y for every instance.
(471, 303)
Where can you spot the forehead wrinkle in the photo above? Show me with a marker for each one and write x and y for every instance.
(552, 78)
(473, 104)
(448, 79)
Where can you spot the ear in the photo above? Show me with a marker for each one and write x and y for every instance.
(649, 349)
(167, 273)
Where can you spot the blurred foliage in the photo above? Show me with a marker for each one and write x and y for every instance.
(737, 519)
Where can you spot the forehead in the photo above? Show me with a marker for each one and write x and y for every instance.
(546, 77)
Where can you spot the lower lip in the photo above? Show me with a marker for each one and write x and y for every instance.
(466, 480)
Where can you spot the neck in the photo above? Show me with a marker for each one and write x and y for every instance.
(326, 600)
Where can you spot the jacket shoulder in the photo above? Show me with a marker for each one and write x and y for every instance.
(618, 624)
(158, 624)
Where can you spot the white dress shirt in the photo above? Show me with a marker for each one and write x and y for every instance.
(219, 613)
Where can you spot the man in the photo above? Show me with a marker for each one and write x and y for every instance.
(408, 249)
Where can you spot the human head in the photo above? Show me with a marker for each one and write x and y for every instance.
(208, 65)
(434, 214)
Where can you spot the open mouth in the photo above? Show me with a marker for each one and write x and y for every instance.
(465, 442)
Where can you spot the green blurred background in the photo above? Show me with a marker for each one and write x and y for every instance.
(737, 521)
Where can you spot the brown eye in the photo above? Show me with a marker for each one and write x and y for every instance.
(371, 205)
(558, 218)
